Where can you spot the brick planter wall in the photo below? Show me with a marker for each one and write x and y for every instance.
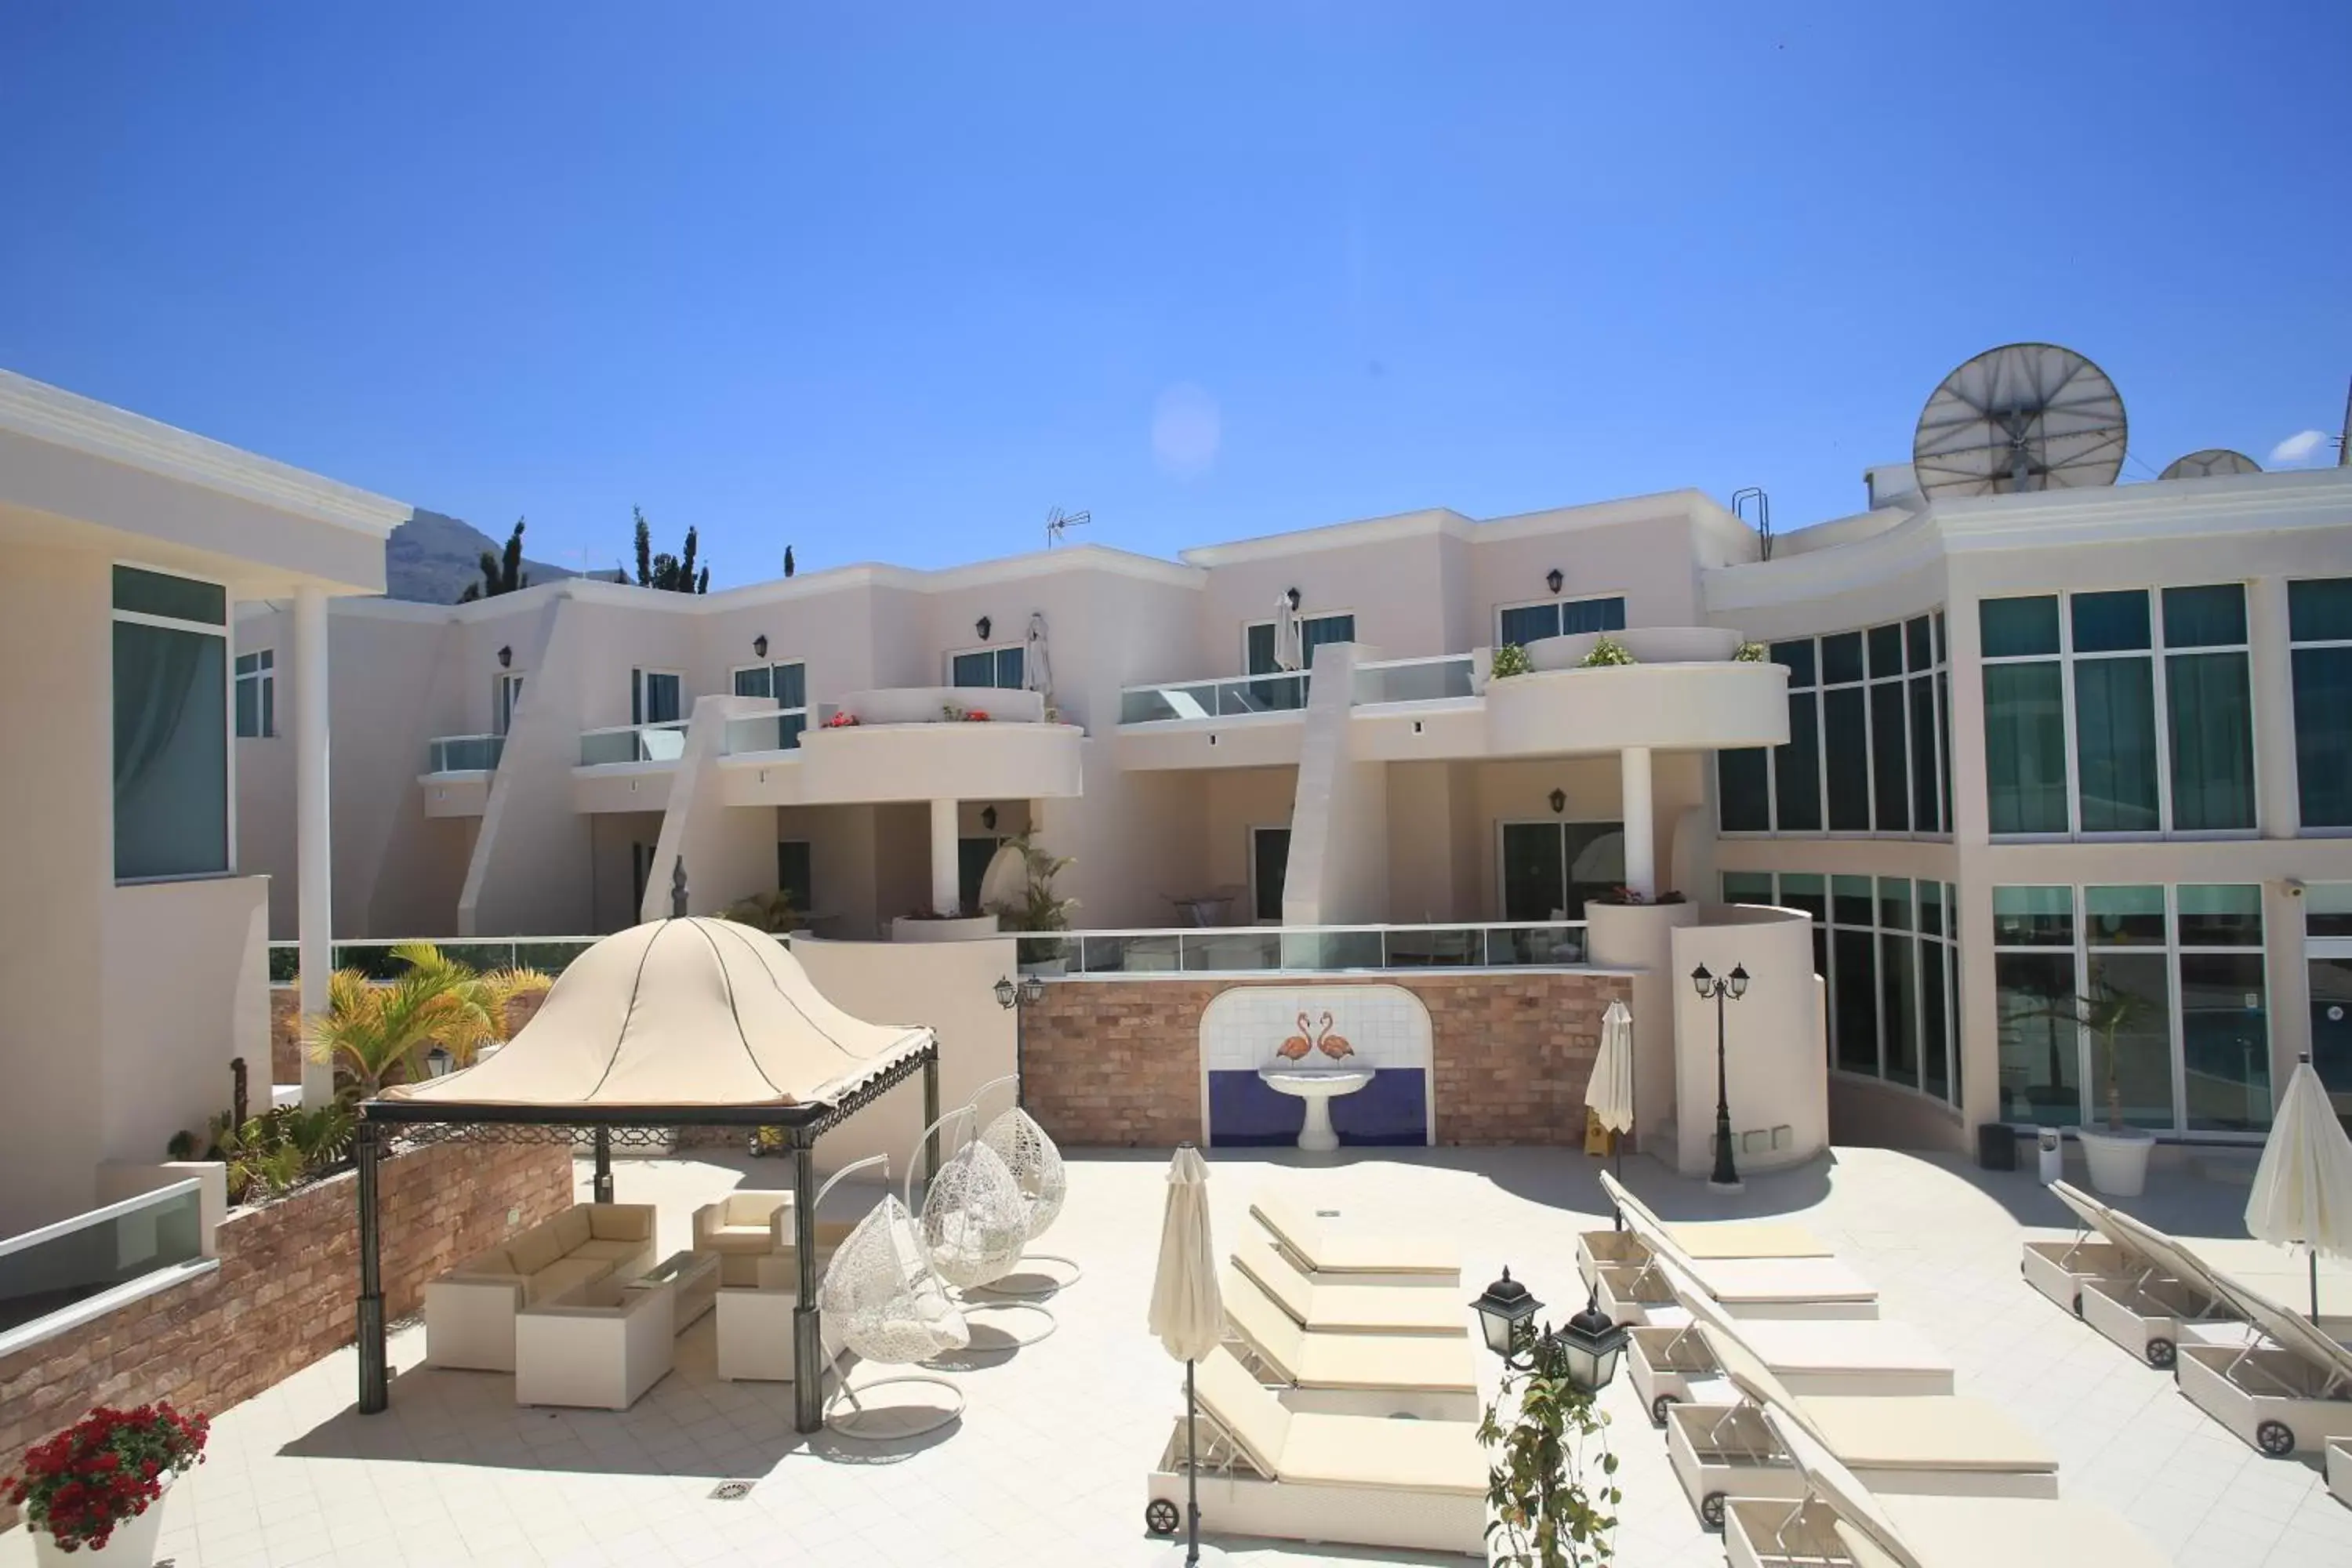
(283, 1294)
(286, 1031)
(1118, 1062)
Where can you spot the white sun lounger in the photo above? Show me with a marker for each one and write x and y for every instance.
(1840, 1521)
(1322, 1309)
(1825, 1356)
(1744, 1288)
(1354, 1255)
(1426, 1376)
(1701, 1241)
(2287, 1390)
(1265, 1470)
(1948, 1444)
(2339, 1470)
(2138, 1299)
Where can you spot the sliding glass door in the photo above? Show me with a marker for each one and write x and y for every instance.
(1551, 868)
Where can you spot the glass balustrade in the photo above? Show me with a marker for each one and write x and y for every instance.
(1212, 698)
(1413, 680)
(49, 1270)
(550, 955)
(664, 742)
(765, 733)
(463, 753)
(1324, 948)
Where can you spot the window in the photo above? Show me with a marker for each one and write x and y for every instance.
(795, 875)
(1000, 668)
(1523, 624)
(2319, 624)
(787, 684)
(655, 697)
(1551, 869)
(503, 699)
(171, 726)
(2193, 1056)
(1885, 947)
(1314, 631)
(1868, 748)
(257, 695)
(2130, 713)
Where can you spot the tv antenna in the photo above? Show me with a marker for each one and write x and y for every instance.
(1058, 524)
(2208, 463)
(2025, 417)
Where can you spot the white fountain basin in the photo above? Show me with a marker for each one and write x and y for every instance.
(1317, 1087)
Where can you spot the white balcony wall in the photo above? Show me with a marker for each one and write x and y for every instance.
(186, 990)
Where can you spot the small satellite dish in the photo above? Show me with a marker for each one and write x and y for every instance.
(2212, 461)
(2026, 416)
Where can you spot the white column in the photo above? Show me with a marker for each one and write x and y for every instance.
(314, 888)
(1640, 828)
(943, 856)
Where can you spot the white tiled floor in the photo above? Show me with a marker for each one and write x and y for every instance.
(1047, 1465)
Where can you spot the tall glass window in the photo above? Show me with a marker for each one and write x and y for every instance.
(171, 726)
(2114, 712)
(2033, 985)
(787, 684)
(2127, 1002)
(2319, 624)
(2211, 714)
(2225, 1038)
(256, 694)
(1867, 750)
(1797, 766)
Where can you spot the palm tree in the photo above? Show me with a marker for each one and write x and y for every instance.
(2107, 1011)
(379, 1032)
(770, 912)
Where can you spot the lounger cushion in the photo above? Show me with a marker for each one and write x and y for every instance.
(1926, 1432)
(1370, 1451)
(1415, 1362)
(2016, 1533)
(1757, 1280)
(1748, 1239)
(1351, 1309)
(1330, 1249)
(1815, 1346)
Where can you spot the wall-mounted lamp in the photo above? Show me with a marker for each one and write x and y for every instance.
(1558, 801)
(759, 646)
(1293, 596)
(983, 627)
(1552, 579)
(506, 657)
(988, 818)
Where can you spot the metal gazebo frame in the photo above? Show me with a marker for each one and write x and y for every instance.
(802, 1126)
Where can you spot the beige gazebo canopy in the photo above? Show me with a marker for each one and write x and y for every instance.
(679, 1013)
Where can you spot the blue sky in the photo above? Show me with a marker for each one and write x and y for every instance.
(887, 283)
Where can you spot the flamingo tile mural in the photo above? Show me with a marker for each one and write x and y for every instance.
(1384, 1027)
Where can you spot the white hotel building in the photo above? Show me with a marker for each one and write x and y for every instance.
(2005, 749)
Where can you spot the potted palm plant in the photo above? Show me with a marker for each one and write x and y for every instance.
(1034, 906)
(380, 1033)
(2115, 1155)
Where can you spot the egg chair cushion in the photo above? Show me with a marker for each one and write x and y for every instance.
(1035, 1164)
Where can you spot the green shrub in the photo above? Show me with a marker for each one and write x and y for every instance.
(1751, 653)
(1511, 659)
(1608, 653)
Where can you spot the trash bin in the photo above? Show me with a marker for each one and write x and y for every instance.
(2051, 1155)
(1997, 1146)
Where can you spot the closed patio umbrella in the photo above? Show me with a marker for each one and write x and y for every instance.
(1188, 1311)
(1037, 666)
(2302, 1188)
(1608, 1094)
(1289, 653)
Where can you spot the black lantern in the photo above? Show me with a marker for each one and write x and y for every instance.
(438, 1061)
(983, 627)
(1590, 1345)
(1033, 990)
(1293, 597)
(1006, 991)
(1502, 1310)
(506, 657)
(988, 818)
(1552, 579)
(1558, 801)
(759, 646)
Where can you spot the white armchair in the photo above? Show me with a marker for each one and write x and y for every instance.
(741, 1228)
(596, 1347)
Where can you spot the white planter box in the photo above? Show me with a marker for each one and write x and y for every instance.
(2118, 1161)
(970, 928)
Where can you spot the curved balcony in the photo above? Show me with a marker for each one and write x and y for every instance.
(1693, 705)
(921, 742)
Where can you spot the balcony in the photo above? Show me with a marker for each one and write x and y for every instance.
(623, 744)
(1447, 678)
(457, 771)
(904, 743)
(1313, 950)
(1255, 694)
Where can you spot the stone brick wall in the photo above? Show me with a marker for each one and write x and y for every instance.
(1117, 1063)
(283, 1294)
(286, 1030)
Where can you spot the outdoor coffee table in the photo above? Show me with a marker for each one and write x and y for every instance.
(693, 1278)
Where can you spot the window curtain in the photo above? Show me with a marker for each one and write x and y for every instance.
(2212, 741)
(2025, 749)
(2115, 743)
(171, 753)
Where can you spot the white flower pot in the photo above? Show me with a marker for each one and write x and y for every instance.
(132, 1544)
(2118, 1161)
(967, 927)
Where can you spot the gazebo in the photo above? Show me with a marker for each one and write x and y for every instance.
(673, 1024)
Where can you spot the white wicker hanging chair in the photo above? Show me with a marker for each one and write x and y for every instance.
(1035, 1164)
(881, 1298)
(975, 1219)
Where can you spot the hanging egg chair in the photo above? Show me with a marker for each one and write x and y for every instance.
(1037, 1165)
(881, 1298)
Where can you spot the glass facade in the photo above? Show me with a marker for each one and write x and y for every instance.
(2319, 624)
(2170, 983)
(1886, 948)
(2129, 713)
(787, 684)
(1867, 749)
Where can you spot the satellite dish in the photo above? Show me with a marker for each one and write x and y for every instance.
(2206, 464)
(2027, 416)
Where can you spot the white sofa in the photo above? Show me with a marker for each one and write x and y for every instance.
(596, 1346)
(469, 1312)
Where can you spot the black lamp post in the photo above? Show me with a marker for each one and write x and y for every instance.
(1026, 993)
(1585, 1352)
(1732, 986)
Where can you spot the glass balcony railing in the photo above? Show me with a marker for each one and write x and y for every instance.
(1413, 680)
(47, 1270)
(1212, 698)
(463, 753)
(1556, 945)
(550, 955)
(663, 742)
(765, 733)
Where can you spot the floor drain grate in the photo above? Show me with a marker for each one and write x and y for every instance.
(730, 1491)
